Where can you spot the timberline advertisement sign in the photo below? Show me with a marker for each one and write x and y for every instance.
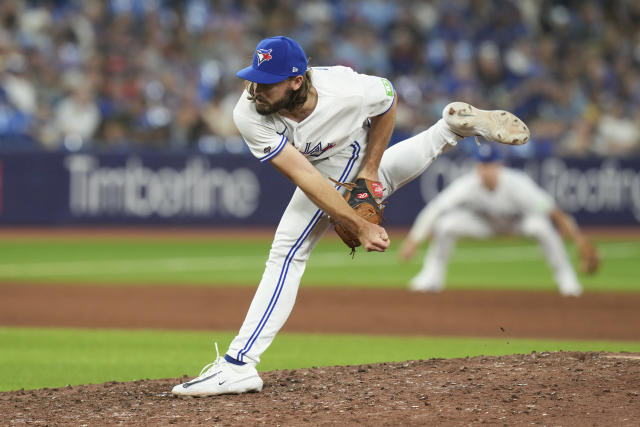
(236, 190)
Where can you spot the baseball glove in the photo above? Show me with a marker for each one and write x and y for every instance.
(362, 196)
(589, 260)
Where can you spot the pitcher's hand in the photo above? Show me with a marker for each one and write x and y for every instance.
(373, 237)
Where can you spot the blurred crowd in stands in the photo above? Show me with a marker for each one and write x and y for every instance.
(160, 74)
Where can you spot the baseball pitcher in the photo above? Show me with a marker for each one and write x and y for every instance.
(327, 130)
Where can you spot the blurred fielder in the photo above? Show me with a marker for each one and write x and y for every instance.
(325, 128)
(488, 201)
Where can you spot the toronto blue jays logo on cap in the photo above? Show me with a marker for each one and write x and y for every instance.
(274, 60)
(264, 55)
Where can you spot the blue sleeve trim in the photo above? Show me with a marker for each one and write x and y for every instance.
(272, 154)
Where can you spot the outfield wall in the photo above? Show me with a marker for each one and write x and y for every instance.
(236, 190)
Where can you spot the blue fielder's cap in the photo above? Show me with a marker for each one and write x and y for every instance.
(275, 59)
(487, 153)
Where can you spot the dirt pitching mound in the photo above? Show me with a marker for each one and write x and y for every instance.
(563, 388)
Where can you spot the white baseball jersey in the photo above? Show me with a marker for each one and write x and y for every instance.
(334, 139)
(346, 100)
(515, 196)
(468, 209)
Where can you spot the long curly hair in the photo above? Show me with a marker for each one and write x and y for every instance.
(299, 96)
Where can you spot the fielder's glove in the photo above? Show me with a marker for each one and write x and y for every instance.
(589, 260)
(363, 196)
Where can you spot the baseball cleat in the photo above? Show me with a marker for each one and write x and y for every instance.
(493, 125)
(424, 287)
(571, 292)
(221, 377)
(568, 284)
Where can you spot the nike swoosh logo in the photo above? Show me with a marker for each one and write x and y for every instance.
(190, 383)
(222, 382)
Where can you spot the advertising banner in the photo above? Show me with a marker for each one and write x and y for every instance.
(236, 190)
(68, 189)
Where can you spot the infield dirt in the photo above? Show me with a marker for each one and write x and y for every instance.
(539, 388)
(571, 389)
(612, 316)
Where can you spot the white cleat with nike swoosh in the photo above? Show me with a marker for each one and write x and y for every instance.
(221, 377)
(493, 125)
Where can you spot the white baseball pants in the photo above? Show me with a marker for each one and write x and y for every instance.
(465, 223)
(303, 223)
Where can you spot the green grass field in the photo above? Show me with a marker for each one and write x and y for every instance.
(505, 263)
(35, 358)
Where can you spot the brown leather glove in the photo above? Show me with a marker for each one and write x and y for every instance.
(363, 196)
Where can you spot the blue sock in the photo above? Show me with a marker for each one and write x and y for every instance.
(232, 360)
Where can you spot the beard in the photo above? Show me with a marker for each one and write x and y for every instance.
(269, 108)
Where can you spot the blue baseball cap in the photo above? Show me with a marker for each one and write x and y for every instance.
(487, 153)
(275, 59)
